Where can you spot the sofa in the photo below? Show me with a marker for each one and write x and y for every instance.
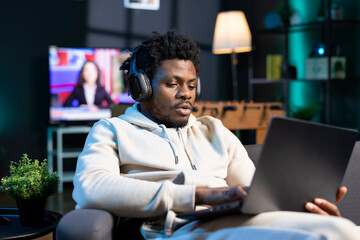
(99, 224)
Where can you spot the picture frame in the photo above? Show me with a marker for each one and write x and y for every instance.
(142, 4)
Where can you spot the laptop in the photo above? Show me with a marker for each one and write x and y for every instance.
(299, 161)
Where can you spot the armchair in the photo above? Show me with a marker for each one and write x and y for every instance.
(94, 224)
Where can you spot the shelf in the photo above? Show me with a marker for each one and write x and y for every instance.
(309, 26)
(342, 23)
(255, 81)
(71, 129)
(326, 80)
(284, 40)
(278, 81)
(68, 153)
(68, 176)
(293, 28)
(266, 81)
(57, 150)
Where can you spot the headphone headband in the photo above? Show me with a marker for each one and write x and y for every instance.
(140, 87)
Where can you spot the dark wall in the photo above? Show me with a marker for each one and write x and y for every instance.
(27, 29)
(112, 25)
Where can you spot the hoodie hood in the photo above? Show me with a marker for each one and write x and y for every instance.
(135, 117)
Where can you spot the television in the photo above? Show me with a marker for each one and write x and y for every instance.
(71, 100)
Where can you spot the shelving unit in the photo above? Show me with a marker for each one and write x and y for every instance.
(325, 30)
(60, 153)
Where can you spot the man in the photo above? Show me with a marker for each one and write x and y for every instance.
(157, 159)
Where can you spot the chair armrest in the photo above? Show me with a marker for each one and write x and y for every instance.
(88, 224)
(254, 151)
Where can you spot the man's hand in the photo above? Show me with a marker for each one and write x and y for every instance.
(215, 196)
(324, 207)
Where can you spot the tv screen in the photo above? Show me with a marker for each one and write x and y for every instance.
(85, 82)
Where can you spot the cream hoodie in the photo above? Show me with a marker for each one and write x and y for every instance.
(134, 167)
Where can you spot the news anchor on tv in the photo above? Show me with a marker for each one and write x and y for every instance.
(88, 91)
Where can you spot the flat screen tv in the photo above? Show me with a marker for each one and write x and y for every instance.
(85, 82)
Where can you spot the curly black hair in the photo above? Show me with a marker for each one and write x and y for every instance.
(171, 45)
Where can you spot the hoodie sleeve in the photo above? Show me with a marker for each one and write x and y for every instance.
(98, 183)
(241, 168)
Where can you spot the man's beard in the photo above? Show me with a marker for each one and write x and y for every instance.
(166, 120)
(173, 123)
(156, 114)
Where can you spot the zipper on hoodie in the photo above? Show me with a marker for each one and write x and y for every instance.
(186, 151)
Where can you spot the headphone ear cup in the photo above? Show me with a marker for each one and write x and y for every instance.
(198, 89)
(145, 85)
(139, 84)
(140, 87)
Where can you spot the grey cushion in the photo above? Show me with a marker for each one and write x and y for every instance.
(85, 224)
(254, 151)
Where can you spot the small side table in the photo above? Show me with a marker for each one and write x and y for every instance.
(17, 231)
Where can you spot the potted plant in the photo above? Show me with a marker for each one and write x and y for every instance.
(305, 113)
(30, 184)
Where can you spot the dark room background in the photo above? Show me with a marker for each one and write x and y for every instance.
(28, 28)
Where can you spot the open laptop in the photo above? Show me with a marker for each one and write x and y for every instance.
(300, 160)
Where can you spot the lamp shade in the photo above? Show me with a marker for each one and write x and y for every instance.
(232, 33)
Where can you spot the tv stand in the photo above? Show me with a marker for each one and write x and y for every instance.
(62, 153)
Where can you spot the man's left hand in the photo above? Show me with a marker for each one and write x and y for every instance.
(324, 207)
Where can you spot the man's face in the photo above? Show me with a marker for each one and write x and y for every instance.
(174, 92)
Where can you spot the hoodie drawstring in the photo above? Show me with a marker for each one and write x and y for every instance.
(186, 150)
(173, 148)
(170, 143)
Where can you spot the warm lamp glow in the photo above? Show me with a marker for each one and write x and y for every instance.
(232, 33)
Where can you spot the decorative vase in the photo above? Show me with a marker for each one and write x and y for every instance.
(31, 212)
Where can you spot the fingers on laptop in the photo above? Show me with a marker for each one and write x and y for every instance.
(236, 193)
(323, 207)
(341, 193)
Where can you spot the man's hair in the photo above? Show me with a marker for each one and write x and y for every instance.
(171, 45)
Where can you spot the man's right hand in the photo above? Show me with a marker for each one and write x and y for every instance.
(215, 196)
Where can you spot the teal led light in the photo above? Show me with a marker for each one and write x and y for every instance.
(301, 43)
(321, 51)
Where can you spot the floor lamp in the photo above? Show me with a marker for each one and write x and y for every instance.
(232, 35)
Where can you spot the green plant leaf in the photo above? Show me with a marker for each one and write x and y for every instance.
(29, 180)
